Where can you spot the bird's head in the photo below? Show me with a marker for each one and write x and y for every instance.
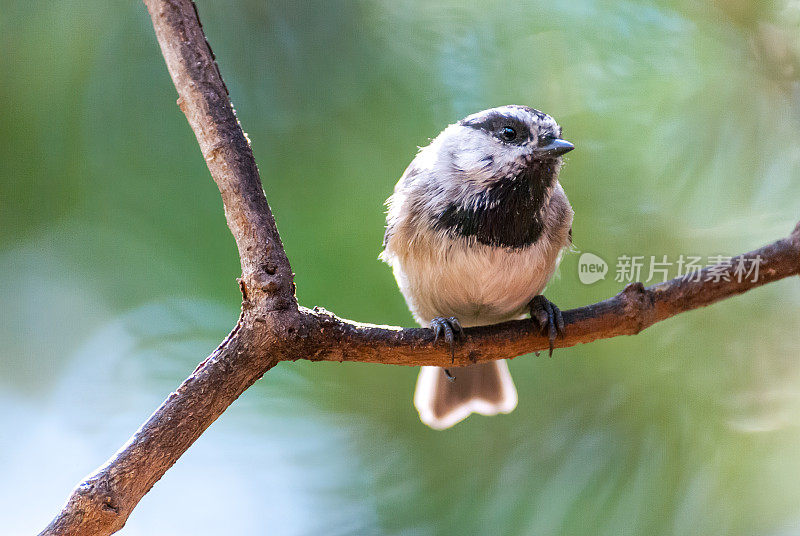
(503, 142)
(491, 152)
(488, 176)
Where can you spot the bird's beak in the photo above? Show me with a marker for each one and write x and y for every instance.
(556, 147)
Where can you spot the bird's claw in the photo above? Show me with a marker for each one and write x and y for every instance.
(548, 317)
(449, 328)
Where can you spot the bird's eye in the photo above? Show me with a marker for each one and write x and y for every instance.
(508, 133)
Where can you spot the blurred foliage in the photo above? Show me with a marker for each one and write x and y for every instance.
(118, 273)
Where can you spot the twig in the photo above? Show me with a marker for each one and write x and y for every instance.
(273, 328)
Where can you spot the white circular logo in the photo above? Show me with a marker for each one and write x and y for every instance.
(591, 268)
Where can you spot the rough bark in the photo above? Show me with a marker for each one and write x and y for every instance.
(273, 328)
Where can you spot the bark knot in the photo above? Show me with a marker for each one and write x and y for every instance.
(639, 305)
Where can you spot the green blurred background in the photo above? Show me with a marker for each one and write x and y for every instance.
(117, 272)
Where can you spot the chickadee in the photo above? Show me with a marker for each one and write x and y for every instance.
(475, 229)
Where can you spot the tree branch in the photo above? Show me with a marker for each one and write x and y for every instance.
(103, 501)
(273, 328)
(203, 98)
(635, 308)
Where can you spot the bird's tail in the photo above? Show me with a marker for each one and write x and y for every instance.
(485, 388)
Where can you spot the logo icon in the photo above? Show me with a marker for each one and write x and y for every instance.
(591, 268)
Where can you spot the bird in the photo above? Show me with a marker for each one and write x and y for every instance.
(475, 228)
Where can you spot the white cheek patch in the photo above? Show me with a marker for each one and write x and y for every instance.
(472, 159)
(481, 157)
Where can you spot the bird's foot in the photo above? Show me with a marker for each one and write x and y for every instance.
(548, 317)
(449, 329)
